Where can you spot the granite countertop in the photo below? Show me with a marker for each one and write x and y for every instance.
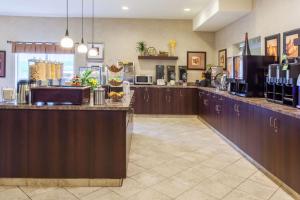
(164, 86)
(261, 102)
(123, 105)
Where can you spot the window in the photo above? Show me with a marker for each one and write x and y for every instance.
(22, 69)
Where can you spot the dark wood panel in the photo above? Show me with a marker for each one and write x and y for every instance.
(13, 143)
(109, 157)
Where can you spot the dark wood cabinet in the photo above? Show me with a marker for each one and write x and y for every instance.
(13, 144)
(166, 100)
(272, 139)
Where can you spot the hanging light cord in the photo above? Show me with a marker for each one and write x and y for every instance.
(82, 22)
(68, 16)
(93, 21)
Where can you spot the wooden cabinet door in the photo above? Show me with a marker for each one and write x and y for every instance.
(200, 103)
(185, 101)
(13, 143)
(139, 101)
(292, 149)
(254, 135)
(166, 101)
(152, 100)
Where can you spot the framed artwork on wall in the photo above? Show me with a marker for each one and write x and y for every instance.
(196, 60)
(2, 64)
(289, 48)
(272, 46)
(100, 55)
(222, 58)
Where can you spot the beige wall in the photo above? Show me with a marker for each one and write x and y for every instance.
(269, 17)
(119, 35)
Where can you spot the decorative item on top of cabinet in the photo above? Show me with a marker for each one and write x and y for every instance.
(246, 50)
(289, 48)
(222, 57)
(2, 63)
(141, 47)
(196, 60)
(172, 46)
(151, 51)
(272, 46)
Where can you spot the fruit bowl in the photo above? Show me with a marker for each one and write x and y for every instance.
(116, 96)
(115, 69)
(116, 83)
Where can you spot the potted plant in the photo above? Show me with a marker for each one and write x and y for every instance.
(141, 47)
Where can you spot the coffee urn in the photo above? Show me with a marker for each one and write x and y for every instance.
(23, 92)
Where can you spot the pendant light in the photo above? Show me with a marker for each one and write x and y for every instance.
(93, 51)
(67, 42)
(82, 48)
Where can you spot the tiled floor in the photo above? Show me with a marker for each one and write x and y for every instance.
(172, 158)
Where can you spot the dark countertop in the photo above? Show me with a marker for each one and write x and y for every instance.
(261, 102)
(123, 105)
(164, 86)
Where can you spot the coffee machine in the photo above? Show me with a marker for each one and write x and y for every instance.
(171, 73)
(290, 88)
(160, 74)
(182, 74)
(249, 72)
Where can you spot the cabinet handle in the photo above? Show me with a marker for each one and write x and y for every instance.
(200, 94)
(238, 108)
(180, 91)
(270, 120)
(275, 125)
(148, 96)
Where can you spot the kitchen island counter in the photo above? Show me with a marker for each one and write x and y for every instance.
(65, 145)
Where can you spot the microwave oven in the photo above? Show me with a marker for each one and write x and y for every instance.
(143, 80)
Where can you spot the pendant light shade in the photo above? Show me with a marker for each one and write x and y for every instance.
(93, 51)
(67, 42)
(82, 48)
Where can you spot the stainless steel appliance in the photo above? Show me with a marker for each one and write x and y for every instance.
(99, 96)
(160, 72)
(171, 73)
(129, 70)
(23, 92)
(143, 80)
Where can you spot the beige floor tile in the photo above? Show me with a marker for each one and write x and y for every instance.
(239, 171)
(215, 163)
(98, 194)
(82, 191)
(280, 194)
(129, 188)
(202, 172)
(149, 194)
(2, 188)
(227, 179)
(214, 188)
(239, 195)
(13, 194)
(195, 158)
(148, 178)
(171, 187)
(58, 194)
(257, 190)
(134, 169)
(108, 196)
(31, 191)
(195, 195)
(173, 167)
(263, 179)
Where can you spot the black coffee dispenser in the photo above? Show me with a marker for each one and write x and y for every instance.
(249, 73)
(183, 73)
(171, 74)
(160, 72)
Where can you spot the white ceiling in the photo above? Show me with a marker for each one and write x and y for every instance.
(152, 9)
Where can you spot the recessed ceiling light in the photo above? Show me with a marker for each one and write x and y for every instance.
(125, 8)
(187, 9)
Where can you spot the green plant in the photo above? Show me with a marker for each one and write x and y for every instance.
(87, 80)
(141, 47)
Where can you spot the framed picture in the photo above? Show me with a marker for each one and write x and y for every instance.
(196, 60)
(222, 57)
(289, 47)
(100, 55)
(272, 46)
(2, 63)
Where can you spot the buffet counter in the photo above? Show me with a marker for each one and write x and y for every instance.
(261, 102)
(66, 145)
